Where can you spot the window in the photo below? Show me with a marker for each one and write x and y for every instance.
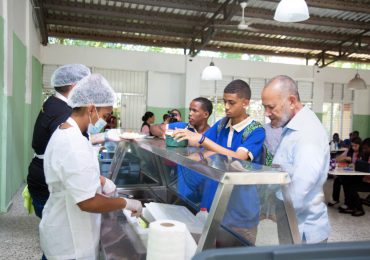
(337, 110)
(213, 90)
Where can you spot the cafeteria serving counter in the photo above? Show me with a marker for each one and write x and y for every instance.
(234, 191)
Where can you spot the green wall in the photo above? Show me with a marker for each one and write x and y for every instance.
(32, 110)
(2, 119)
(16, 120)
(159, 111)
(15, 161)
(361, 123)
(319, 115)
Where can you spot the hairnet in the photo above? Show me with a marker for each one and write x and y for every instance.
(92, 89)
(69, 74)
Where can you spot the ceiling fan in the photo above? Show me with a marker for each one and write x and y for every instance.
(242, 25)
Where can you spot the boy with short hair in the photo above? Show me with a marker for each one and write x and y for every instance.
(239, 136)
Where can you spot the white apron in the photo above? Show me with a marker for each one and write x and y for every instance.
(72, 234)
(66, 232)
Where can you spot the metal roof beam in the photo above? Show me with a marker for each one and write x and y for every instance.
(207, 32)
(39, 10)
(121, 27)
(248, 39)
(344, 51)
(182, 45)
(123, 13)
(303, 33)
(253, 12)
(187, 34)
(190, 5)
(119, 39)
(244, 50)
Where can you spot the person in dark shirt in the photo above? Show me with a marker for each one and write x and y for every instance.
(53, 112)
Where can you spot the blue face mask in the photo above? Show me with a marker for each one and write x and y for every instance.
(97, 127)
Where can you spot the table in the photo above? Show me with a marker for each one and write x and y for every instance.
(345, 172)
(335, 153)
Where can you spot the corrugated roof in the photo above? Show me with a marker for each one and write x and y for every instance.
(336, 30)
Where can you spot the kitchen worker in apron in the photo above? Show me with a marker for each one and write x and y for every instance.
(54, 111)
(70, 226)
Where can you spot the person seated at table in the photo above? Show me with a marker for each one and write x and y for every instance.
(355, 134)
(353, 184)
(335, 143)
(347, 142)
(348, 156)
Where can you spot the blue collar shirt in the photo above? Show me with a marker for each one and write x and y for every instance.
(304, 154)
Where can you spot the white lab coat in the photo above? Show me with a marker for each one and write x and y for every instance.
(72, 174)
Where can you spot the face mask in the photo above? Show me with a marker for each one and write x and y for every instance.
(98, 126)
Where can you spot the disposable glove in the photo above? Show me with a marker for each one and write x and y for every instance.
(135, 206)
(109, 187)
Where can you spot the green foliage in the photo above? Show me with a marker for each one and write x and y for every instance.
(239, 56)
(231, 55)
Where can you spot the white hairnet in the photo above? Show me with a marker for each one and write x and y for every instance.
(69, 74)
(93, 89)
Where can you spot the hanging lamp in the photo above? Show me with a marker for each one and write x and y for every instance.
(211, 72)
(291, 11)
(356, 83)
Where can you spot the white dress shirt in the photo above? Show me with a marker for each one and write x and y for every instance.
(304, 153)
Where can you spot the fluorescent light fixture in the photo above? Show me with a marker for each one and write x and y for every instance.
(211, 72)
(357, 83)
(291, 11)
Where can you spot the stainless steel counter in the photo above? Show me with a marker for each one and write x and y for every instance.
(118, 238)
(158, 165)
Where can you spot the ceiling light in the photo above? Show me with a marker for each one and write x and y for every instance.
(211, 72)
(357, 83)
(291, 11)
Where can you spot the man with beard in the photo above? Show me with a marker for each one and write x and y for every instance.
(303, 153)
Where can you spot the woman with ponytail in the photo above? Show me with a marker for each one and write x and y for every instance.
(148, 119)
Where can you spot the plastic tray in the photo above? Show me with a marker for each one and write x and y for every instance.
(160, 211)
(142, 232)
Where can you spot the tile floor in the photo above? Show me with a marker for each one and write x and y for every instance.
(19, 232)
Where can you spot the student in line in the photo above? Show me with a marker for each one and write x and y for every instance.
(239, 136)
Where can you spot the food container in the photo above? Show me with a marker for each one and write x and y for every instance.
(171, 142)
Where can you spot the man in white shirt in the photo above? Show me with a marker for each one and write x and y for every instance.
(303, 153)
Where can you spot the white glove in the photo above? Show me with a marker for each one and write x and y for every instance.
(113, 135)
(135, 206)
(109, 187)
